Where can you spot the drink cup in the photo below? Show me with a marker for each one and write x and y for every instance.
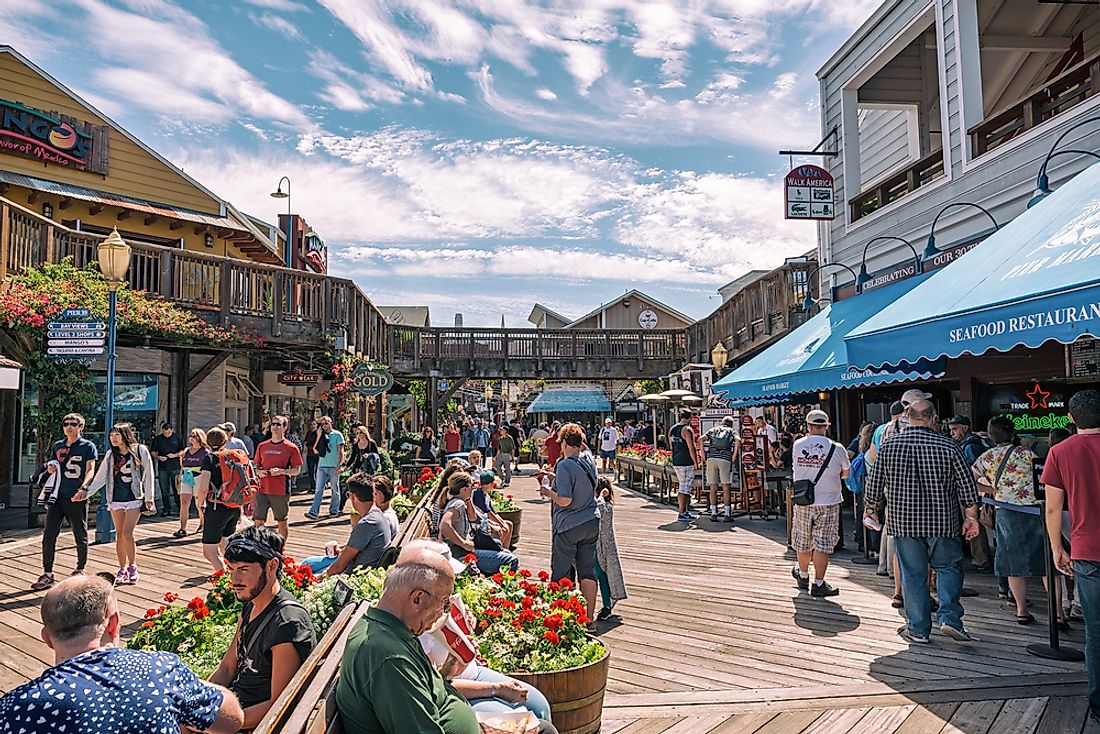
(330, 549)
(871, 523)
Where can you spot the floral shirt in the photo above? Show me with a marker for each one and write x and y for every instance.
(1017, 483)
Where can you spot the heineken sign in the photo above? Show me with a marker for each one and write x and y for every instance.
(52, 138)
(369, 382)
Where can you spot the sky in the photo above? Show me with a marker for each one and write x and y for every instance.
(476, 156)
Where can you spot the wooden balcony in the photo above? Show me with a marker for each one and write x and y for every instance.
(754, 317)
(282, 305)
(1065, 91)
(545, 353)
(894, 187)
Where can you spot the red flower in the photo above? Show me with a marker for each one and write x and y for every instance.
(470, 559)
(216, 575)
(170, 596)
(543, 576)
(554, 587)
(551, 637)
(147, 624)
(498, 579)
(552, 622)
(150, 613)
(526, 616)
(527, 602)
(516, 624)
(201, 613)
(524, 573)
(508, 604)
(196, 604)
(566, 584)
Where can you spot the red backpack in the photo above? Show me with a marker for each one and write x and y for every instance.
(239, 480)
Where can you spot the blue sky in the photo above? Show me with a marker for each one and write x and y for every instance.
(476, 155)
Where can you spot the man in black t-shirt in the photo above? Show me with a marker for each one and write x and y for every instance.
(275, 633)
(166, 449)
(73, 458)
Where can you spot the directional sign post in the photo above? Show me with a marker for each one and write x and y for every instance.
(76, 336)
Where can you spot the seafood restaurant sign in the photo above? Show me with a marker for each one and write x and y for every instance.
(808, 194)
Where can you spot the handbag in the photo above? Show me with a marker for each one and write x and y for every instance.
(484, 541)
(802, 491)
(987, 513)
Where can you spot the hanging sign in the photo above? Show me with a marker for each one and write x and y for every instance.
(75, 336)
(808, 194)
(370, 382)
(299, 376)
(52, 138)
(647, 319)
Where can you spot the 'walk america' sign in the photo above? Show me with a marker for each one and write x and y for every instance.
(808, 193)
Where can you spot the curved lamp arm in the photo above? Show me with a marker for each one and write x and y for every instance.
(1042, 183)
(930, 249)
(864, 277)
(808, 302)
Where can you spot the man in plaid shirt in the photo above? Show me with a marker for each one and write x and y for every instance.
(926, 481)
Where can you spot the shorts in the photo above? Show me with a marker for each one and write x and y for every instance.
(815, 528)
(719, 471)
(186, 484)
(278, 503)
(575, 547)
(219, 522)
(131, 505)
(686, 475)
(608, 454)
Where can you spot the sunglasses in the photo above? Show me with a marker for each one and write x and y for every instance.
(278, 423)
(71, 424)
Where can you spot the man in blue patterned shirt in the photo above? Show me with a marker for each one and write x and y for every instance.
(98, 687)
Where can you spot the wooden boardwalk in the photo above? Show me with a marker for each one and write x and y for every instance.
(714, 638)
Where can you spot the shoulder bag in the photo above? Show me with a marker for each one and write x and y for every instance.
(802, 491)
(987, 513)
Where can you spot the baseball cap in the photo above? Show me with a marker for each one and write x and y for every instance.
(728, 420)
(487, 477)
(229, 426)
(817, 418)
(959, 420)
(607, 420)
(165, 426)
(911, 396)
(896, 408)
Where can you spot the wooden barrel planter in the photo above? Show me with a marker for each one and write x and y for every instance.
(575, 694)
(515, 517)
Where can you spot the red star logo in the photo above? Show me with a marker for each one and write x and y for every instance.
(1038, 397)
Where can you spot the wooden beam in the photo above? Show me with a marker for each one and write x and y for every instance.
(1049, 44)
(200, 228)
(65, 203)
(223, 233)
(175, 225)
(206, 370)
(124, 214)
(96, 209)
(149, 220)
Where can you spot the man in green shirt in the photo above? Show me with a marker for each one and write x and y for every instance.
(503, 460)
(387, 684)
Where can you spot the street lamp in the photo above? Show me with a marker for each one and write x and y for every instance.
(864, 277)
(278, 193)
(113, 256)
(1042, 183)
(719, 357)
(808, 302)
(930, 250)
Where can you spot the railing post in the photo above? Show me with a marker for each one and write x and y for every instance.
(167, 276)
(538, 350)
(5, 240)
(1094, 78)
(471, 353)
(278, 286)
(326, 304)
(416, 350)
(225, 289)
(573, 362)
(504, 347)
(438, 349)
(607, 351)
(641, 348)
(1033, 113)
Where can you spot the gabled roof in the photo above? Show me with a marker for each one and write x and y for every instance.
(739, 283)
(633, 293)
(539, 310)
(406, 315)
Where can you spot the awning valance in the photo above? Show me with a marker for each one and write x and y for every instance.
(813, 356)
(570, 401)
(1035, 280)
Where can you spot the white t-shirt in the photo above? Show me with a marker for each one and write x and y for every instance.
(609, 438)
(769, 431)
(808, 455)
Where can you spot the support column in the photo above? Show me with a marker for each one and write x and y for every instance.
(379, 428)
(181, 370)
(433, 404)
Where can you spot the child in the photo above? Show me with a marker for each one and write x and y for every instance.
(609, 571)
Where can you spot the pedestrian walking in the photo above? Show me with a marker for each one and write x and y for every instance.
(166, 449)
(609, 569)
(127, 476)
(1071, 476)
(329, 449)
(684, 462)
(191, 464)
(609, 443)
(928, 488)
(73, 460)
(506, 452)
(278, 462)
(815, 526)
(311, 458)
(720, 445)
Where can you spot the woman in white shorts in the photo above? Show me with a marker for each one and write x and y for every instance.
(127, 476)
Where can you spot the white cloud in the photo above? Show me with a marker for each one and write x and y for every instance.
(546, 94)
(286, 6)
(279, 25)
(349, 90)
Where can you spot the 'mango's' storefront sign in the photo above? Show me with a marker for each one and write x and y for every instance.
(52, 138)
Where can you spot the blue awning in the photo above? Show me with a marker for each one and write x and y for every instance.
(570, 401)
(1035, 280)
(813, 356)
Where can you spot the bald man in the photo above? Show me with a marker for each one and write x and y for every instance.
(926, 482)
(387, 684)
(98, 687)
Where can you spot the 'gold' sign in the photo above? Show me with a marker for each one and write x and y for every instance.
(369, 382)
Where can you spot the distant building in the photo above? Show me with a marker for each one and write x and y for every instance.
(418, 316)
(545, 318)
(632, 310)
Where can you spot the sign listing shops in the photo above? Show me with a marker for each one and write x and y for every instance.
(808, 194)
(75, 336)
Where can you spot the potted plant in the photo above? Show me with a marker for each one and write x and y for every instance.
(505, 506)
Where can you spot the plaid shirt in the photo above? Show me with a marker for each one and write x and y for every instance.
(925, 481)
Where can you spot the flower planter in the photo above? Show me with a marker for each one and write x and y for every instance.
(515, 517)
(575, 694)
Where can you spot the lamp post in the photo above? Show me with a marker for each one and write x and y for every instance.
(278, 193)
(930, 250)
(809, 301)
(719, 357)
(1042, 183)
(864, 277)
(114, 260)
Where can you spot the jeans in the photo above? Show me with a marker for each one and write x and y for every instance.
(317, 564)
(945, 556)
(605, 586)
(536, 703)
(169, 481)
(77, 515)
(311, 467)
(1086, 574)
(326, 474)
(503, 466)
(490, 562)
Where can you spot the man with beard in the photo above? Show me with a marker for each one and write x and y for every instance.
(274, 633)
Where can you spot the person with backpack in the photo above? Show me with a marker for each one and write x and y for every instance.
(274, 633)
(226, 482)
(329, 450)
(720, 445)
(973, 446)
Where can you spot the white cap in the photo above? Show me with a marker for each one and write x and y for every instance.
(911, 396)
(606, 420)
(817, 418)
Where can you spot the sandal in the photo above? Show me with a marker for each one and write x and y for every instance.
(1063, 625)
(897, 602)
(1028, 618)
(179, 534)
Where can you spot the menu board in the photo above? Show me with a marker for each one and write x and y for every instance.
(1084, 358)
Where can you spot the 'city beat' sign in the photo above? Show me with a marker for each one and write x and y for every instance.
(52, 138)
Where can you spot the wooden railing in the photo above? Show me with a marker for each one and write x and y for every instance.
(756, 315)
(280, 303)
(892, 188)
(1067, 90)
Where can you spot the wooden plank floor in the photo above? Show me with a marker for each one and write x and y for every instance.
(714, 638)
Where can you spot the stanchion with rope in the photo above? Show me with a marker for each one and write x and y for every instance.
(1054, 650)
(865, 559)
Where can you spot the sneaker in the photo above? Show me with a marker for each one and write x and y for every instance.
(338, 513)
(78, 572)
(956, 633)
(714, 517)
(132, 572)
(604, 614)
(823, 589)
(691, 514)
(905, 634)
(122, 576)
(309, 516)
(44, 581)
(803, 581)
(727, 517)
(685, 517)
